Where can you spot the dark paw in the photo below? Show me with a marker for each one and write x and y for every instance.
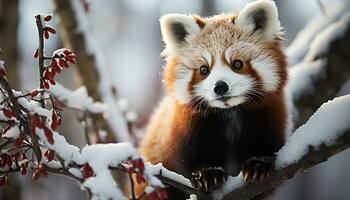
(208, 179)
(257, 168)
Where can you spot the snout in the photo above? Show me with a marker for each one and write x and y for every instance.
(221, 88)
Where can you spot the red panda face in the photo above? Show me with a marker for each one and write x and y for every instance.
(225, 60)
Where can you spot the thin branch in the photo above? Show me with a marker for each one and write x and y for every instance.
(322, 8)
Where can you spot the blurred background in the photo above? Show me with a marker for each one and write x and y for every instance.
(125, 37)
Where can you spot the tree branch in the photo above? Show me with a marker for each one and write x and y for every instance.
(337, 72)
(8, 38)
(86, 63)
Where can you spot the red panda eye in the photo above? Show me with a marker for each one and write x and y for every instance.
(237, 65)
(204, 70)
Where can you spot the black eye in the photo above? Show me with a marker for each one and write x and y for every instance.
(237, 65)
(204, 70)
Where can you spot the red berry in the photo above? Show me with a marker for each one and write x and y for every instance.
(35, 175)
(34, 93)
(46, 35)
(53, 62)
(54, 121)
(49, 135)
(8, 113)
(50, 155)
(48, 18)
(2, 71)
(50, 29)
(36, 53)
(46, 85)
(19, 141)
(53, 82)
(23, 170)
(67, 52)
(87, 171)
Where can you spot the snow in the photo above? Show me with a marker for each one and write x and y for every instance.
(13, 132)
(300, 45)
(33, 107)
(158, 169)
(100, 158)
(3, 116)
(317, 131)
(301, 77)
(131, 116)
(322, 41)
(193, 197)
(76, 172)
(2, 64)
(103, 134)
(231, 184)
(53, 164)
(103, 186)
(63, 149)
(78, 99)
(123, 104)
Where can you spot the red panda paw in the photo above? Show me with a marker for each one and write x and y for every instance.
(208, 179)
(256, 169)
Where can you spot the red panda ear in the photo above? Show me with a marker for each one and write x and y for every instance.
(260, 18)
(178, 29)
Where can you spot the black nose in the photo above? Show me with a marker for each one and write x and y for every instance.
(220, 88)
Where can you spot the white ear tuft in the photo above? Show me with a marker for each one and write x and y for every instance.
(260, 17)
(177, 29)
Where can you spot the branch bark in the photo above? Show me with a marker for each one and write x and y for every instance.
(8, 38)
(86, 63)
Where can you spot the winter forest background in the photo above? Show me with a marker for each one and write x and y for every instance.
(124, 37)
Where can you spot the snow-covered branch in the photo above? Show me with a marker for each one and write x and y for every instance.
(30, 141)
(324, 69)
(309, 145)
(89, 76)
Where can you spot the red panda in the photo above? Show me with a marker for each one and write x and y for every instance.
(225, 110)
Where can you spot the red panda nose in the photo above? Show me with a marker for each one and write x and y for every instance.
(220, 88)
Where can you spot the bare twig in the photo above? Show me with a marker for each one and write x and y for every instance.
(322, 8)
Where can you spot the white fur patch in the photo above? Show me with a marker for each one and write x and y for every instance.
(166, 22)
(272, 27)
(239, 85)
(207, 57)
(266, 69)
(183, 79)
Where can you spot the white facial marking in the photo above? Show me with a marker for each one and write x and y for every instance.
(238, 86)
(183, 79)
(266, 69)
(207, 57)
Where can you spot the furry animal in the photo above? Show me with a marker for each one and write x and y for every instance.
(225, 109)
